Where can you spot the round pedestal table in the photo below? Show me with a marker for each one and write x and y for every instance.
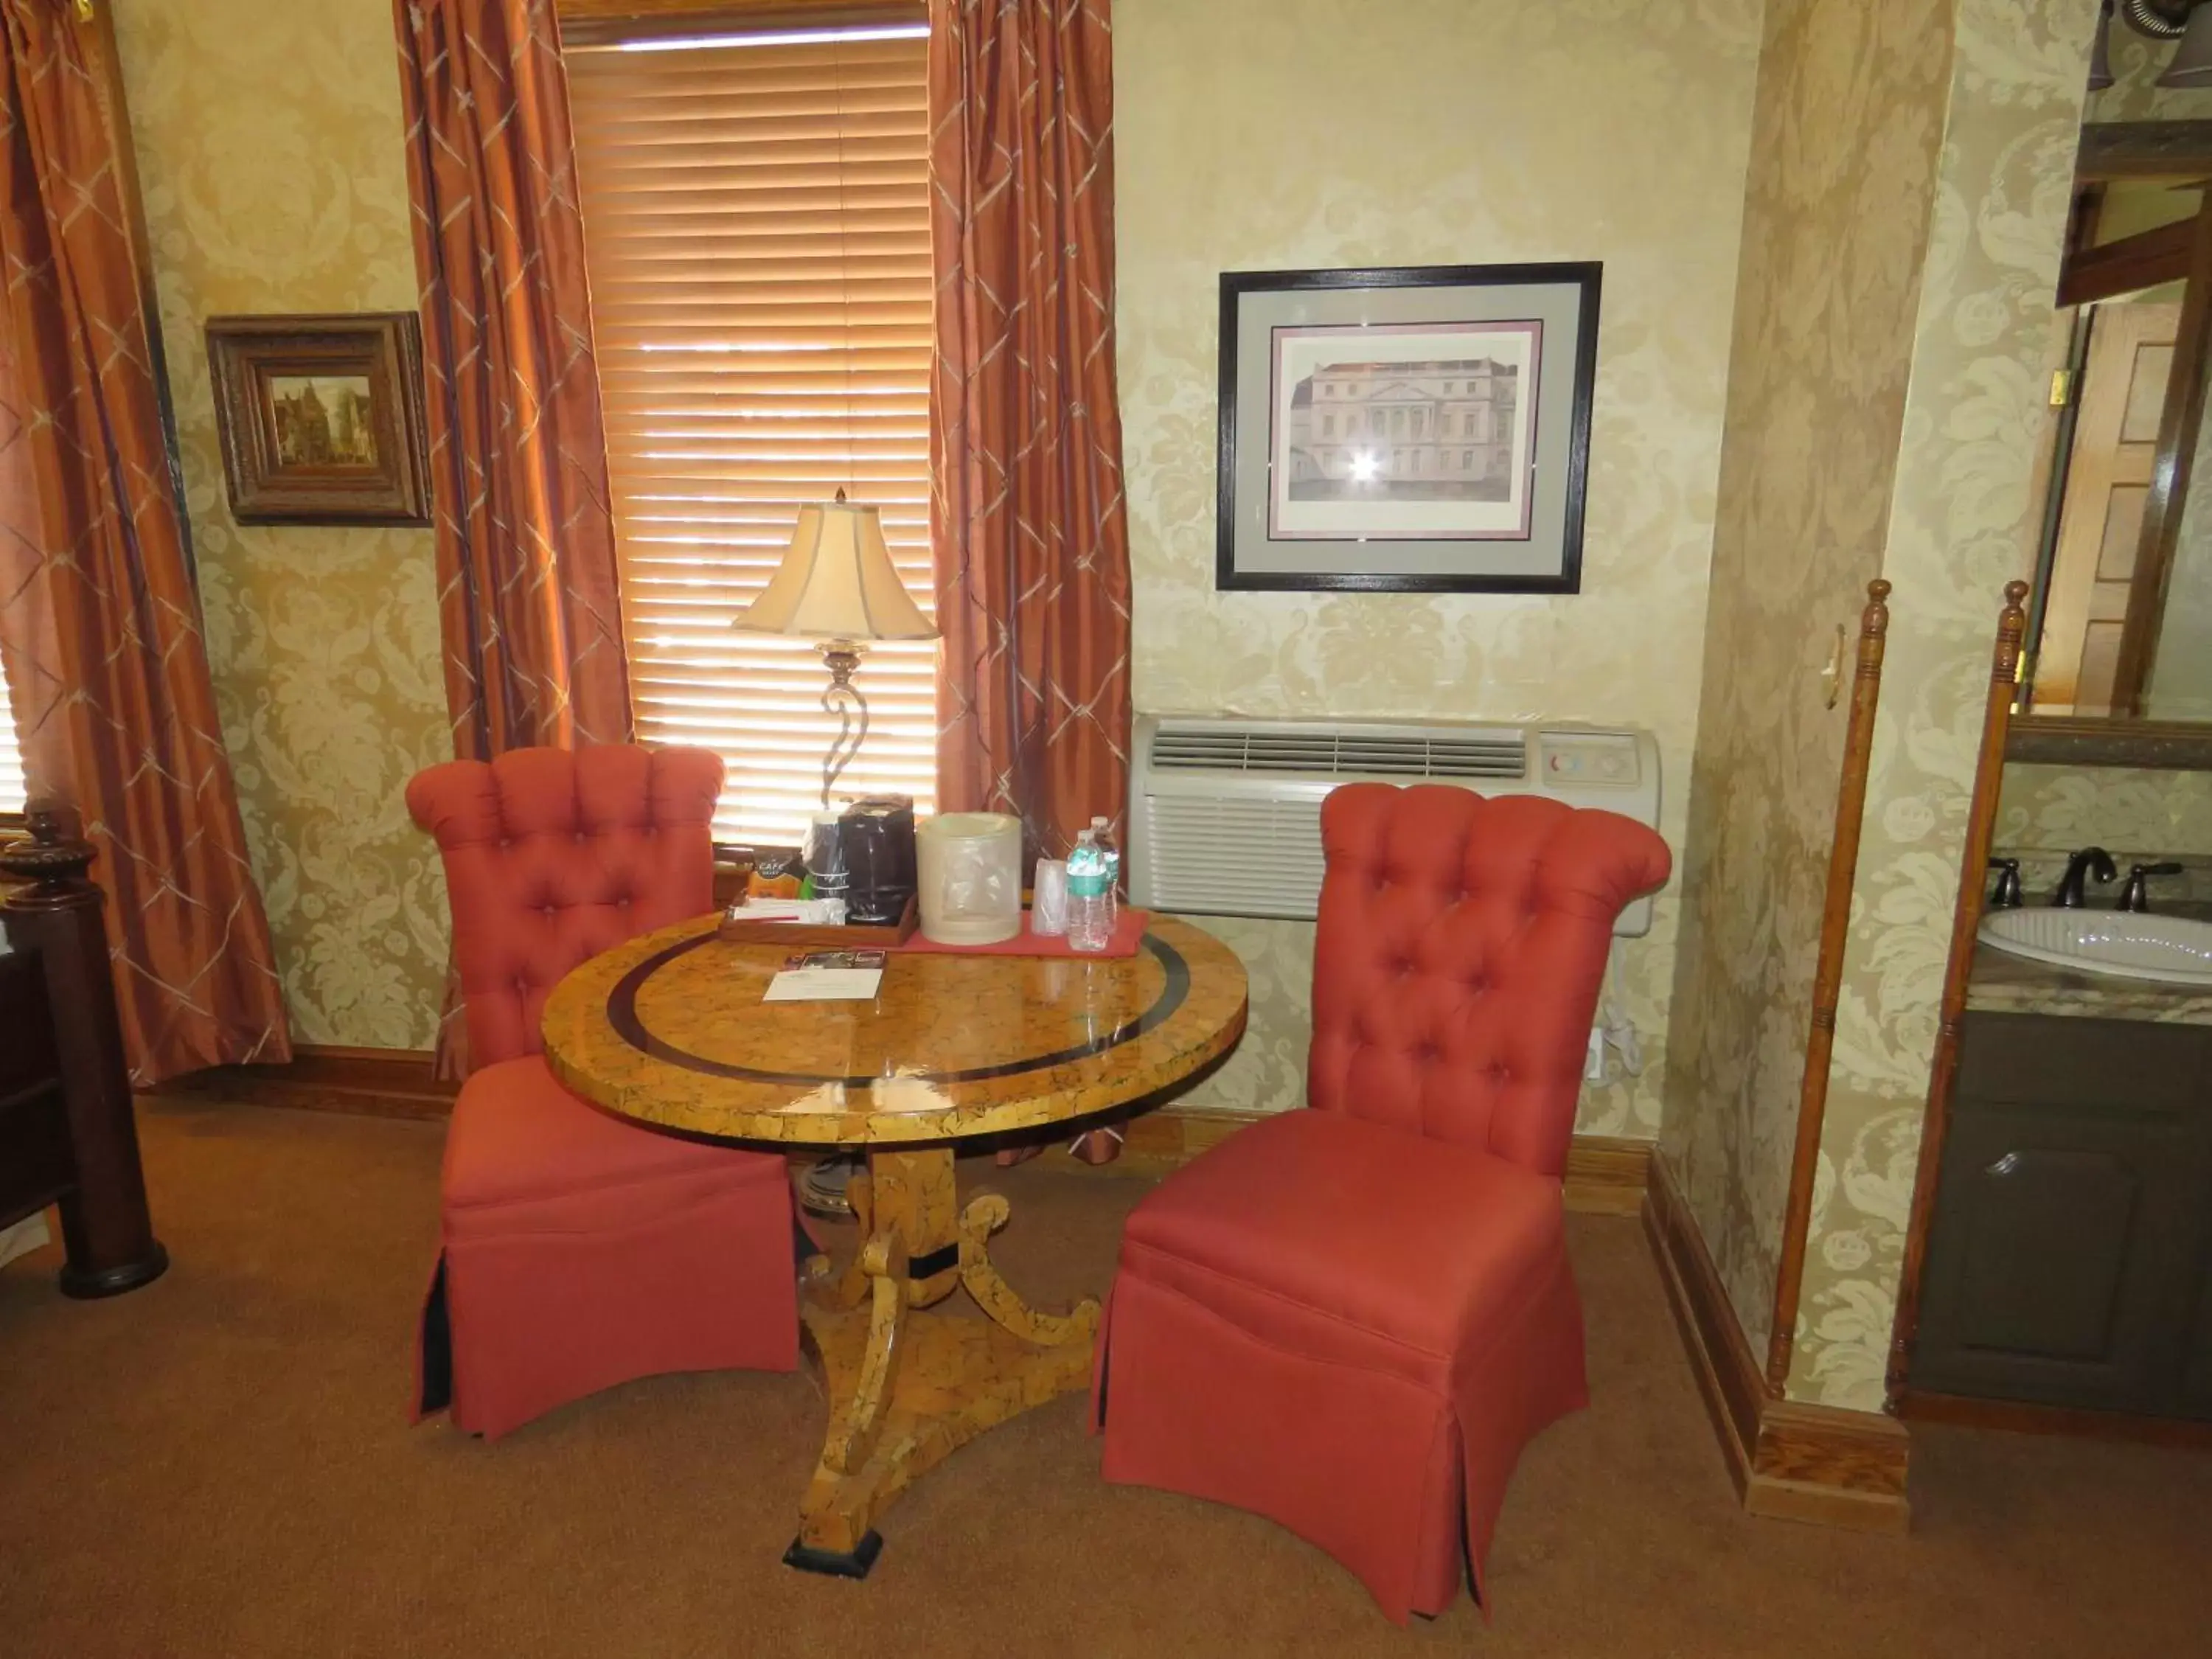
(670, 1030)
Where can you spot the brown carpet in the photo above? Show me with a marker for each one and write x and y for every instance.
(222, 1465)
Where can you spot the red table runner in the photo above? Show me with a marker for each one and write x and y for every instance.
(1128, 928)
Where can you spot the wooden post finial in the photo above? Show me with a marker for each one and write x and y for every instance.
(54, 859)
(2012, 630)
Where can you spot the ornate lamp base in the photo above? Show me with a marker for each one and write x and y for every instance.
(907, 1387)
(843, 698)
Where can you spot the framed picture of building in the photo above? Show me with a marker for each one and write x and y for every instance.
(320, 418)
(1421, 428)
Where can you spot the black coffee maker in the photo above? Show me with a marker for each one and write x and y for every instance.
(878, 838)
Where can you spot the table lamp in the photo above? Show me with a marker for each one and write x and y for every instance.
(837, 587)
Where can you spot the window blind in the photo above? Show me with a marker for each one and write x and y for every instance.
(756, 230)
(11, 763)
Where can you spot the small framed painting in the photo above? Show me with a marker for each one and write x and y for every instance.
(321, 418)
(1417, 429)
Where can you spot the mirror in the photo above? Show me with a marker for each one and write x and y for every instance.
(2119, 640)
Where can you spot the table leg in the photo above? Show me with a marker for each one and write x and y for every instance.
(908, 1386)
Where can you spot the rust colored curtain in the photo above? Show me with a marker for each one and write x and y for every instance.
(1026, 513)
(526, 572)
(530, 605)
(100, 620)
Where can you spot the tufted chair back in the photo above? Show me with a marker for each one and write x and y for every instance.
(1460, 949)
(553, 855)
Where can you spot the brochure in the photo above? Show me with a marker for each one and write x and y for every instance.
(828, 976)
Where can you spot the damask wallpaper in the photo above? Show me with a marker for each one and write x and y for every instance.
(2055, 809)
(1847, 133)
(268, 142)
(1256, 135)
(1960, 527)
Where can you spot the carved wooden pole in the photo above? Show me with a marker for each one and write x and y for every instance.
(1827, 980)
(106, 1228)
(1966, 923)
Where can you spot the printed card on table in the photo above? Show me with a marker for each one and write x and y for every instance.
(828, 976)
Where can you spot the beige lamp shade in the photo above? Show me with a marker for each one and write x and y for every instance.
(837, 583)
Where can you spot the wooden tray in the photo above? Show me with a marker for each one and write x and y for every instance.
(811, 936)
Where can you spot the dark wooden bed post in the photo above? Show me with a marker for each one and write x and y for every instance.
(57, 919)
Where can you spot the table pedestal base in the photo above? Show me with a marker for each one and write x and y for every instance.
(908, 1387)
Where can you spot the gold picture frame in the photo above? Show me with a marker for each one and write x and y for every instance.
(321, 417)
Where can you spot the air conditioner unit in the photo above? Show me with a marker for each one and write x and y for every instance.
(1224, 812)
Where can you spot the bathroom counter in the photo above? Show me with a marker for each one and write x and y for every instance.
(2001, 983)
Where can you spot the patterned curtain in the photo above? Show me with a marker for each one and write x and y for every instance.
(529, 592)
(1027, 516)
(99, 622)
(526, 572)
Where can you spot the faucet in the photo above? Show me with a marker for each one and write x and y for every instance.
(2089, 861)
(2136, 896)
(2006, 895)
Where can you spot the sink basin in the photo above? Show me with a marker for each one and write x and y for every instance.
(2127, 943)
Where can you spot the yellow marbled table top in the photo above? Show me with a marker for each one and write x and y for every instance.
(670, 1029)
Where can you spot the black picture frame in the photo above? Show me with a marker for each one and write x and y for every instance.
(1553, 304)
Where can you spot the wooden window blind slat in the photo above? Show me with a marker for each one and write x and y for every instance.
(11, 764)
(756, 232)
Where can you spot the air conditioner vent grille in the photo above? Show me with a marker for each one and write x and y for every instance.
(1349, 754)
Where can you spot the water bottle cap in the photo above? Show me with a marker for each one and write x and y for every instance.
(1084, 836)
(1100, 822)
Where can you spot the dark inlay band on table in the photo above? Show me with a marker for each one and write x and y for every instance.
(622, 1015)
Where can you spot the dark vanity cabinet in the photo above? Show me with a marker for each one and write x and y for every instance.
(2069, 1259)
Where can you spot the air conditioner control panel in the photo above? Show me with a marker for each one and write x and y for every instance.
(1593, 760)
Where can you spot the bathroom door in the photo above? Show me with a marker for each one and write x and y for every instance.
(2123, 393)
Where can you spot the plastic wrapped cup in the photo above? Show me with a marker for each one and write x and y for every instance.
(1049, 898)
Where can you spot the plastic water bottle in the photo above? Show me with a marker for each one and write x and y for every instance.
(1090, 896)
(1101, 832)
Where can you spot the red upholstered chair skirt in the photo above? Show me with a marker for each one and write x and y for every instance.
(1350, 1329)
(580, 1251)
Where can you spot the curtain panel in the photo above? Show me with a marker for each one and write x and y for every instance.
(100, 622)
(529, 589)
(526, 547)
(1028, 524)
(1027, 516)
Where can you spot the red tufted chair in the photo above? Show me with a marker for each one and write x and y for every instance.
(581, 1251)
(1352, 1318)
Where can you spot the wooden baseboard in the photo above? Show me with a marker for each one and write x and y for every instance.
(1789, 1459)
(1720, 1354)
(1607, 1175)
(329, 1077)
(2019, 1417)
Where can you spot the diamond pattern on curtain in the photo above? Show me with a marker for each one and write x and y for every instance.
(528, 591)
(526, 570)
(1027, 516)
(100, 622)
